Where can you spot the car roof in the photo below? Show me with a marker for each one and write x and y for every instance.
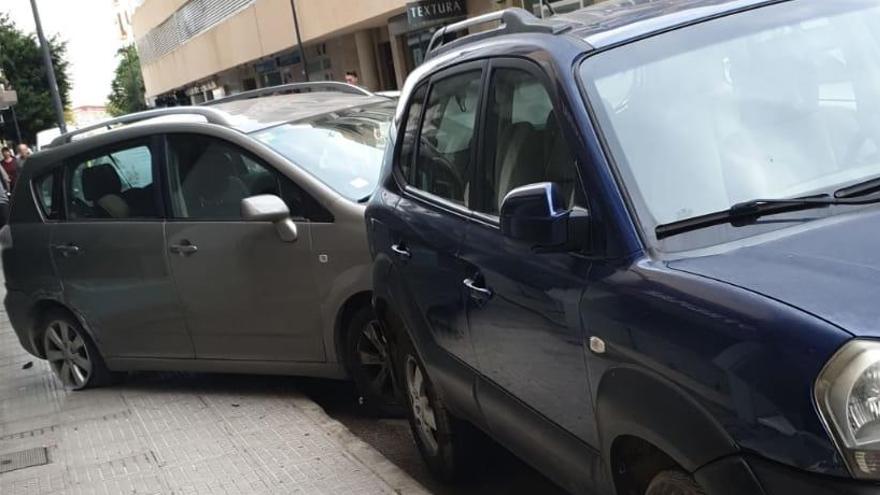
(253, 114)
(617, 21)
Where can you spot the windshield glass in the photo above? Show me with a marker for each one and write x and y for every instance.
(342, 149)
(780, 101)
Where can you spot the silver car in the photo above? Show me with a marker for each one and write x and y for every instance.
(226, 238)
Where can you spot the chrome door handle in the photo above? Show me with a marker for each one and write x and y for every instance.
(183, 248)
(69, 249)
(477, 292)
(401, 251)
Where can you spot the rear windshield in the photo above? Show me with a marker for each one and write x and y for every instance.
(343, 149)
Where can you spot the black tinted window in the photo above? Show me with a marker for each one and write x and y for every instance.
(113, 185)
(443, 165)
(47, 195)
(410, 131)
(209, 177)
(524, 142)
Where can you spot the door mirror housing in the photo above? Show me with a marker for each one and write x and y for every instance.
(270, 208)
(536, 214)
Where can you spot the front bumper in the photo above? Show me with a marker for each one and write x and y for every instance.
(19, 310)
(751, 475)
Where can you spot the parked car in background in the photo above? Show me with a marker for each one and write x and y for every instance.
(225, 238)
(637, 245)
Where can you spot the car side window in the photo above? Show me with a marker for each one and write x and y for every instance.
(410, 131)
(443, 162)
(524, 141)
(116, 184)
(47, 194)
(208, 178)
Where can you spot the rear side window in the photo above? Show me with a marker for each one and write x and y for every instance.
(47, 196)
(114, 185)
(443, 162)
(410, 131)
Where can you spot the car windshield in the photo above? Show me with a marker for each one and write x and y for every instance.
(776, 102)
(343, 149)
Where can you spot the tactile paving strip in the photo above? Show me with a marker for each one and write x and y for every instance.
(23, 459)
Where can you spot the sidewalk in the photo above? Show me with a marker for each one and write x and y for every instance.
(178, 433)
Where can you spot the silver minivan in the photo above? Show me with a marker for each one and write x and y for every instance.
(227, 237)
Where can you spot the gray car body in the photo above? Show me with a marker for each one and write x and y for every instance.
(143, 296)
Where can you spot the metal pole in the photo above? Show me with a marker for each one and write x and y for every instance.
(15, 122)
(302, 50)
(50, 71)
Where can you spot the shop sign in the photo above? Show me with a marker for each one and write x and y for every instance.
(433, 10)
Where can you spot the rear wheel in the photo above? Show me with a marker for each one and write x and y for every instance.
(369, 363)
(447, 444)
(71, 353)
(674, 483)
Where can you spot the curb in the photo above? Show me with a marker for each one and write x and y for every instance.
(397, 480)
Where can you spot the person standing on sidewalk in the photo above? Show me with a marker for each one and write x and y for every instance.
(9, 168)
(23, 153)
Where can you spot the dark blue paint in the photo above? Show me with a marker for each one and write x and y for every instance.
(726, 341)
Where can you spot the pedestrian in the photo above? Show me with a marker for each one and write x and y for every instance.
(351, 77)
(9, 168)
(23, 153)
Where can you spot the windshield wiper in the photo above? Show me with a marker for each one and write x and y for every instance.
(747, 212)
(863, 188)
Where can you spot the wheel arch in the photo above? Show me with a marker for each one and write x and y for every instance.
(647, 423)
(43, 307)
(346, 311)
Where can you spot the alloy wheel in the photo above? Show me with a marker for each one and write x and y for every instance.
(68, 354)
(375, 360)
(423, 411)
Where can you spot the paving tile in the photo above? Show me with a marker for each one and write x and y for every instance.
(176, 433)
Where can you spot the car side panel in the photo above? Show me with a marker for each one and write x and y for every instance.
(342, 266)
(706, 360)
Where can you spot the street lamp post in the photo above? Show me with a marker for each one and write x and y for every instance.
(15, 123)
(50, 70)
(302, 50)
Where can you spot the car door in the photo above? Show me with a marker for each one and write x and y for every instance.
(109, 251)
(248, 295)
(435, 163)
(523, 310)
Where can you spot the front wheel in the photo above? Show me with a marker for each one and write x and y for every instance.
(72, 355)
(674, 483)
(368, 360)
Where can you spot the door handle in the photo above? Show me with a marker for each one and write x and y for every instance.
(480, 294)
(69, 249)
(401, 251)
(184, 248)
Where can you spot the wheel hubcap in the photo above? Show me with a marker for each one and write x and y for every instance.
(67, 354)
(423, 411)
(372, 351)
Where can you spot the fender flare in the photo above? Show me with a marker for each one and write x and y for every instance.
(633, 402)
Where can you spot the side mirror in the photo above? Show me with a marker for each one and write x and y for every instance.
(536, 214)
(270, 208)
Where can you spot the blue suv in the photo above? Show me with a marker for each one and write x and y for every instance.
(638, 245)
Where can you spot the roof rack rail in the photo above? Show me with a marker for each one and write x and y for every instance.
(511, 20)
(292, 88)
(212, 115)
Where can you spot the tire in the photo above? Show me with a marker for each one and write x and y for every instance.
(71, 353)
(674, 483)
(368, 361)
(448, 445)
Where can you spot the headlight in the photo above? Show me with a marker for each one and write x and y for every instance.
(848, 399)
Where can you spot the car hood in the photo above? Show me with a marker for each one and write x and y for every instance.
(829, 268)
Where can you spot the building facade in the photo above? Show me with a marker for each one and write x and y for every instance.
(197, 50)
